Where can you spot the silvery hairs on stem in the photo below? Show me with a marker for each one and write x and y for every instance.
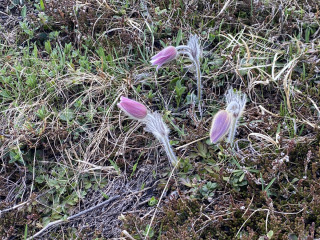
(155, 125)
(193, 50)
(153, 121)
(236, 102)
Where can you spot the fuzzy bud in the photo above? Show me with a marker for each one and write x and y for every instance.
(132, 108)
(164, 56)
(220, 126)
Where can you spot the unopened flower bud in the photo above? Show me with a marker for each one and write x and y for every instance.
(164, 56)
(132, 108)
(220, 125)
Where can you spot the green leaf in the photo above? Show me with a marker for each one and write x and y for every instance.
(105, 195)
(179, 91)
(242, 177)
(262, 182)
(243, 183)
(42, 5)
(152, 201)
(236, 162)
(87, 185)
(39, 179)
(212, 185)
(67, 115)
(5, 94)
(270, 234)
(16, 155)
(115, 166)
(179, 88)
(25, 232)
(269, 185)
(42, 113)
(47, 46)
(226, 178)
(24, 11)
(179, 37)
(151, 231)
(202, 149)
(292, 236)
(134, 168)
(209, 170)
(46, 221)
(35, 51)
(31, 81)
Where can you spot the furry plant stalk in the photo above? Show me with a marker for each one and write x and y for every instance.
(236, 102)
(153, 121)
(193, 51)
(225, 121)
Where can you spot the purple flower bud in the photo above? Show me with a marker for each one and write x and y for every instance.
(220, 125)
(132, 108)
(164, 56)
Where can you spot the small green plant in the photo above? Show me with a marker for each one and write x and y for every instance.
(207, 190)
(25, 232)
(202, 150)
(180, 129)
(134, 168)
(152, 201)
(64, 192)
(150, 95)
(185, 166)
(148, 232)
(25, 27)
(16, 155)
(266, 188)
(238, 176)
(180, 90)
(269, 236)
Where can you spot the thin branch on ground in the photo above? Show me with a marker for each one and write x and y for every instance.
(55, 223)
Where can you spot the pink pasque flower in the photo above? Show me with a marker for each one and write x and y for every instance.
(164, 56)
(220, 125)
(132, 108)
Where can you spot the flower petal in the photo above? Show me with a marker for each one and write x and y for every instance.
(220, 126)
(133, 108)
(164, 56)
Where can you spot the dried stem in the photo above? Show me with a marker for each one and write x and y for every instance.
(55, 223)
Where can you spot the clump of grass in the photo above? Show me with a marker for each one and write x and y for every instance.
(52, 106)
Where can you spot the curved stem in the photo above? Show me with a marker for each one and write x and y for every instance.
(232, 132)
(172, 157)
(183, 47)
(197, 65)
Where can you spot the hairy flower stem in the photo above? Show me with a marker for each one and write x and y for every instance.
(236, 102)
(167, 147)
(183, 49)
(197, 65)
(232, 132)
(156, 126)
